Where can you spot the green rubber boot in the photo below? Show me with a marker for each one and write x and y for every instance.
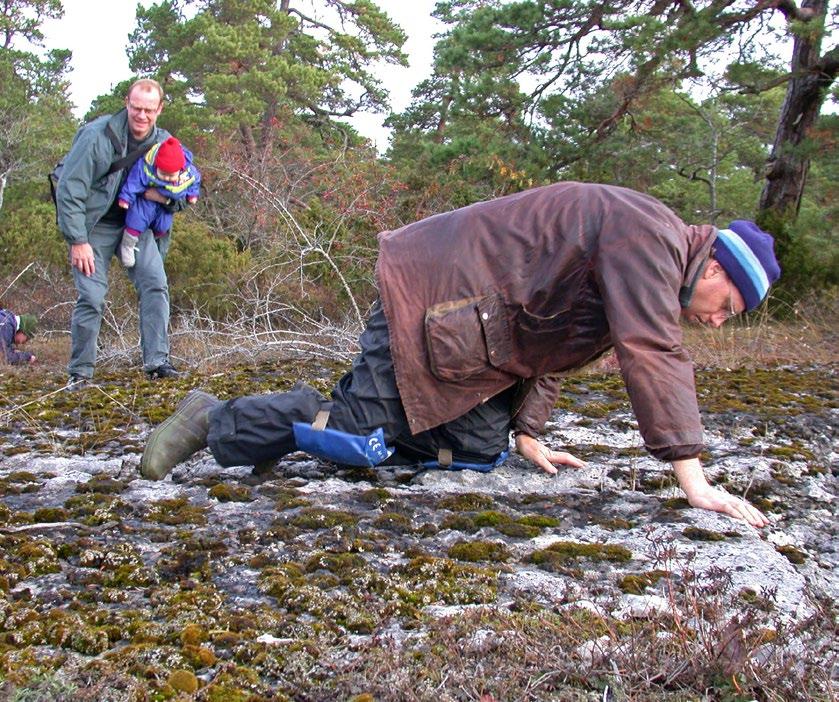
(184, 433)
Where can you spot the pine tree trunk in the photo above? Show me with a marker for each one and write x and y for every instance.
(789, 161)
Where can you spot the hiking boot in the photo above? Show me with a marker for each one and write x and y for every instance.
(181, 435)
(77, 382)
(164, 370)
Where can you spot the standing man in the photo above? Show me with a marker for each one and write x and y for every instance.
(92, 222)
(481, 309)
(15, 331)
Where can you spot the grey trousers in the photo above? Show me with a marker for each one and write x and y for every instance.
(149, 279)
(257, 428)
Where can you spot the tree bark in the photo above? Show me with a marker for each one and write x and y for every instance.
(789, 161)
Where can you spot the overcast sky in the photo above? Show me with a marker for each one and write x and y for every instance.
(96, 31)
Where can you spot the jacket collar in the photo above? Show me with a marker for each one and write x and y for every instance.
(700, 241)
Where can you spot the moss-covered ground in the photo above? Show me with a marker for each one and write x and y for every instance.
(307, 582)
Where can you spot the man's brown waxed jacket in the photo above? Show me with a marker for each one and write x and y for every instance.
(520, 288)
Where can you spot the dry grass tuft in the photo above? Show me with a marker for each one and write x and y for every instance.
(808, 335)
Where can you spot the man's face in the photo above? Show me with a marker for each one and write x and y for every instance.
(144, 107)
(715, 300)
(20, 338)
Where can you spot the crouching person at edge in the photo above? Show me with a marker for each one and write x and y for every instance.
(479, 310)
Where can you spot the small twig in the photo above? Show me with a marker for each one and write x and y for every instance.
(9, 286)
(57, 525)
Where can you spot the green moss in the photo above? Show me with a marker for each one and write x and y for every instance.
(474, 551)
(791, 453)
(176, 511)
(226, 693)
(320, 518)
(102, 483)
(50, 514)
(814, 469)
(345, 565)
(491, 518)
(675, 503)
(466, 502)
(765, 504)
(517, 530)
(792, 554)
(126, 576)
(226, 639)
(376, 497)
(183, 681)
(767, 393)
(287, 498)
(460, 522)
(614, 523)
(38, 557)
(598, 410)
(230, 492)
(563, 552)
(636, 583)
(539, 520)
(781, 476)
(22, 476)
(698, 534)
(756, 600)
(96, 508)
(199, 656)
(393, 521)
(426, 580)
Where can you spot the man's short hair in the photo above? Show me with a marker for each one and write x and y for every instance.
(146, 84)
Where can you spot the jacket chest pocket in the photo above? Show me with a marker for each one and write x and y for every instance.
(465, 336)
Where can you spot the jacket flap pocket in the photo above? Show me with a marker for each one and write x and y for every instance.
(455, 340)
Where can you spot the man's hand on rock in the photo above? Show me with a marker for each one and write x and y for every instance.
(546, 458)
(719, 501)
(701, 494)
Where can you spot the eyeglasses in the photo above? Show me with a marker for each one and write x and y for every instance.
(148, 111)
(731, 311)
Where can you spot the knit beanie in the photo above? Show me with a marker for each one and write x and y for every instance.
(170, 156)
(28, 324)
(747, 254)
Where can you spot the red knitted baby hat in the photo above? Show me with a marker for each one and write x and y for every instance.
(170, 156)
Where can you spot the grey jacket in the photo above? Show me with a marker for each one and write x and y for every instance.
(515, 290)
(84, 194)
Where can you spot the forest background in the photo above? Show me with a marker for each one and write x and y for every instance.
(722, 109)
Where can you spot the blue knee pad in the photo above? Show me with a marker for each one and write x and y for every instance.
(341, 447)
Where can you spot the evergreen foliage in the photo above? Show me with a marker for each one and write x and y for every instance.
(685, 101)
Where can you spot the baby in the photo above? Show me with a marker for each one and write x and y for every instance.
(168, 167)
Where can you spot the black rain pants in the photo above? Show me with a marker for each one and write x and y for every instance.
(258, 428)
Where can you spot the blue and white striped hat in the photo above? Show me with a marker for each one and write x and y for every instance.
(747, 254)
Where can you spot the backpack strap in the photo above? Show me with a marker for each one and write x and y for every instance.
(129, 159)
(113, 138)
